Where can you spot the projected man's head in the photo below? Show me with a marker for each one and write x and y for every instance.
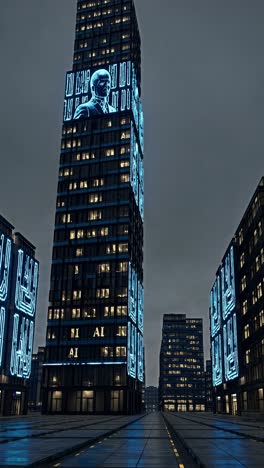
(101, 83)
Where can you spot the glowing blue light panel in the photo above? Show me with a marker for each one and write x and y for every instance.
(217, 364)
(230, 349)
(98, 91)
(22, 347)
(140, 320)
(215, 307)
(5, 268)
(140, 358)
(2, 332)
(24, 316)
(132, 350)
(26, 284)
(132, 293)
(5, 261)
(228, 284)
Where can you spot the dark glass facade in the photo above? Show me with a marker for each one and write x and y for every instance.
(18, 299)
(94, 345)
(208, 386)
(151, 398)
(181, 383)
(34, 385)
(241, 390)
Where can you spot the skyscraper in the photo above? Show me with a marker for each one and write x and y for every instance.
(181, 383)
(18, 298)
(94, 345)
(237, 317)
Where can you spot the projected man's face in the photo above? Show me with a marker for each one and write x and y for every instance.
(101, 83)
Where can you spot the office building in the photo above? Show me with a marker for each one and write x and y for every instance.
(35, 381)
(18, 296)
(94, 343)
(151, 398)
(181, 382)
(237, 317)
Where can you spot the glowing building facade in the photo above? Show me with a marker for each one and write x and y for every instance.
(18, 299)
(94, 348)
(237, 317)
(181, 382)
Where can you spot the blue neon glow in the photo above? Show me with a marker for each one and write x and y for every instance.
(5, 261)
(230, 349)
(88, 363)
(100, 91)
(132, 350)
(26, 284)
(140, 320)
(132, 293)
(215, 307)
(217, 365)
(141, 187)
(140, 358)
(141, 127)
(22, 347)
(228, 284)
(2, 332)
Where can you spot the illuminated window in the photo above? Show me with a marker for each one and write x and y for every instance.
(124, 164)
(89, 312)
(124, 178)
(120, 351)
(244, 307)
(261, 318)
(107, 351)
(247, 356)
(94, 215)
(121, 310)
(259, 290)
(76, 269)
(110, 152)
(76, 313)
(66, 218)
(77, 294)
(109, 311)
(122, 292)
(102, 293)
(121, 331)
(83, 184)
(240, 236)
(242, 260)
(104, 231)
(72, 235)
(122, 248)
(79, 252)
(103, 268)
(246, 331)
(111, 248)
(73, 353)
(243, 283)
(122, 267)
(98, 182)
(95, 198)
(74, 333)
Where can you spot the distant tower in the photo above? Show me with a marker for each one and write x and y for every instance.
(181, 384)
(94, 345)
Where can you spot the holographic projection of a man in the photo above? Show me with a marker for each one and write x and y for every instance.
(99, 102)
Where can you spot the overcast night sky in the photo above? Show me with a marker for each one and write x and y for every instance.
(203, 96)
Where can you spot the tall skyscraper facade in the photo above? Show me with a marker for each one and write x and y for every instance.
(18, 298)
(181, 382)
(94, 346)
(237, 317)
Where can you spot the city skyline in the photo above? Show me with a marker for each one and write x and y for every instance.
(217, 91)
